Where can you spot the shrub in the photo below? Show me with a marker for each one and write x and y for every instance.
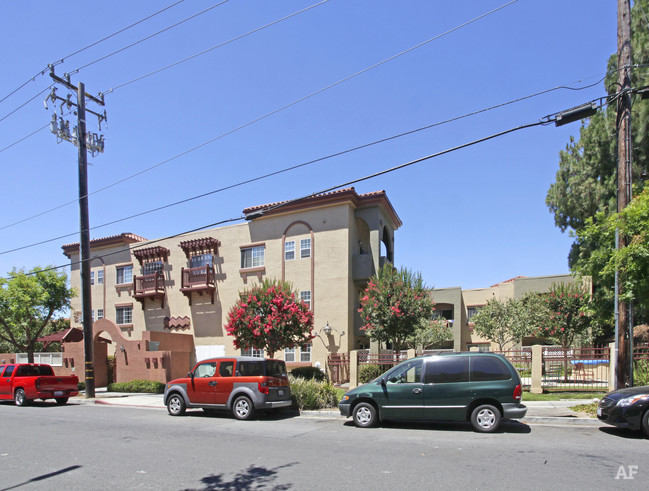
(308, 373)
(148, 386)
(81, 385)
(369, 372)
(641, 372)
(311, 394)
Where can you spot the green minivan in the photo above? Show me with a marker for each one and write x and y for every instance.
(483, 388)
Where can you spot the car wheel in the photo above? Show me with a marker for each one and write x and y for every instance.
(365, 415)
(645, 422)
(176, 405)
(61, 401)
(242, 408)
(21, 398)
(486, 418)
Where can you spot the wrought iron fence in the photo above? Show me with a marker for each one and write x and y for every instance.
(338, 368)
(576, 369)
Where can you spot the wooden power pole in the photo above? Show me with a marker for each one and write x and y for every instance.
(624, 143)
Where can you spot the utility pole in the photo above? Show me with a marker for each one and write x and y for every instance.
(83, 141)
(624, 143)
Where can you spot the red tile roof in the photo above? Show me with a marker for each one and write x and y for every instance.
(113, 240)
(507, 281)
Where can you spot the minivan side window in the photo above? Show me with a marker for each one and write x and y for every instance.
(488, 368)
(408, 373)
(447, 369)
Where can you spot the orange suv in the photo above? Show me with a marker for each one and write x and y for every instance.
(239, 384)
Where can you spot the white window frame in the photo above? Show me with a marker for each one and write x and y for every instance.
(289, 250)
(305, 296)
(289, 354)
(255, 353)
(100, 314)
(126, 271)
(305, 248)
(92, 277)
(100, 276)
(305, 352)
(126, 314)
(253, 257)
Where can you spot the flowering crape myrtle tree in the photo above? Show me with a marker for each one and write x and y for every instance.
(567, 315)
(270, 317)
(394, 304)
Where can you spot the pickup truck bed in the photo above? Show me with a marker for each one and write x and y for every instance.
(25, 382)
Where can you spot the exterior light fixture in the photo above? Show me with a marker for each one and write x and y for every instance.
(327, 329)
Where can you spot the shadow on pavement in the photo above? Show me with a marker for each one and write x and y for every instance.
(505, 427)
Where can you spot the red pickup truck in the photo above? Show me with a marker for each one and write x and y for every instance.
(25, 382)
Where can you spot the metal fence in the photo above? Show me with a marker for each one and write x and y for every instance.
(338, 368)
(576, 369)
(54, 359)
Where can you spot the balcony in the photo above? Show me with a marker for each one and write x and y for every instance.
(199, 280)
(362, 267)
(149, 286)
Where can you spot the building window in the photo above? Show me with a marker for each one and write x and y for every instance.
(256, 353)
(151, 267)
(253, 257)
(471, 311)
(124, 274)
(100, 314)
(92, 277)
(305, 248)
(306, 297)
(305, 352)
(289, 250)
(289, 354)
(200, 260)
(124, 315)
(100, 277)
(482, 347)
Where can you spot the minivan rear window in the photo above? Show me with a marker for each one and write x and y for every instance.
(488, 368)
(447, 369)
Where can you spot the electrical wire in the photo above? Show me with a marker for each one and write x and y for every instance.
(27, 102)
(137, 79)
(304, 164)
(46, 69)
(322, 191)
(76, 70)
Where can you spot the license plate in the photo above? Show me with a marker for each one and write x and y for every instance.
(58, 393)
(599, 411)
(281, 392)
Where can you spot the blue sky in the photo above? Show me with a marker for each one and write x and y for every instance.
(471, 218)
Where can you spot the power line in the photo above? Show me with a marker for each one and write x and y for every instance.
(337, 154)
(47, 68)
(148, 37)
(327, 190)
(213, 47)
(27, 102)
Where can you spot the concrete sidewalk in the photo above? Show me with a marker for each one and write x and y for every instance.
(538, 412)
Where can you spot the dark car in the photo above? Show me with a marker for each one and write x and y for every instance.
(626, 408)
(238, 384)
(483, 388)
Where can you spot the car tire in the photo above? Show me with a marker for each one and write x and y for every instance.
(242, 408)
(645, 422)
(486, 418)
(176, 405)
(62, 401)
(365, 415)
(21, 398)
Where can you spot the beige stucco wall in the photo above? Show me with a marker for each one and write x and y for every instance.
(334, 230)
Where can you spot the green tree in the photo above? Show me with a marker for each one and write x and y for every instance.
(394, 304)
(429, 333)
(28, 303)
(504, 322)
(585, 186)
(270, 317)
(632, 261)
(567, 314)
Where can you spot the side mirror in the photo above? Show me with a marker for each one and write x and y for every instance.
(383, 381)
(190, 375)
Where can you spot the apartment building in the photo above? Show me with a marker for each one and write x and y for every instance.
(327, 246)
(458, 306)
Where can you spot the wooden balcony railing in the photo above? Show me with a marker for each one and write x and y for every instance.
(149, 286)
(199, 280)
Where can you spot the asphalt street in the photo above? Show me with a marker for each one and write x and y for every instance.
(95, 446)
